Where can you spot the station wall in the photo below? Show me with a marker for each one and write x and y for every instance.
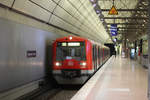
(16, 41)
(20, 34)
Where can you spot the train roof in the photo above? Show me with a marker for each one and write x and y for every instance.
(71, 38)
(97, 43)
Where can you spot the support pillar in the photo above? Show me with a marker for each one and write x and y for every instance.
(140, 54)
(149, 51)
(141, 46)
(135, 47)
(124, 48)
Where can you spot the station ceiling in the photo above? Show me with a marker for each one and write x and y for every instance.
(131, 20)
(88, 18)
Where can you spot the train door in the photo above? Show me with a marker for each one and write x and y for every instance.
(94, 57)
(104, 54)
(101, 55)
(93, 53)
(98, 56)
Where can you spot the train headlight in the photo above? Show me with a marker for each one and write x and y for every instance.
(70, 38)
(83, 64)
(58, 64)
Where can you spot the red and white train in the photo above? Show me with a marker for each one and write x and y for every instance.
(76, 58)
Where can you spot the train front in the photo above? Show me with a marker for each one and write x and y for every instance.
(71, 60)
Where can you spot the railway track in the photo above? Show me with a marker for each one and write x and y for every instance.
(64, 92)
(57, 95)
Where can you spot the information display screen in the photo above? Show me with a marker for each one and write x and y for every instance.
(71, 44)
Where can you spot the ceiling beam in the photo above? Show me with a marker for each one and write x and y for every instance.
(125, 33)
(139, 18)
(133, 28)
(128, 28)
(125, 23)
(126, 10)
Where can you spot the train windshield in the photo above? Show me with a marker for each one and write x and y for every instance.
(70, 50)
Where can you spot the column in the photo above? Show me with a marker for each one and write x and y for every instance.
(149, 51)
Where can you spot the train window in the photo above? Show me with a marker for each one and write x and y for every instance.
(73, 50)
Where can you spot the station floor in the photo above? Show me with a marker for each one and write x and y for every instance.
(119, 79)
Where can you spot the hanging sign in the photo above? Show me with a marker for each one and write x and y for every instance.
(113, 11)
(113, 29)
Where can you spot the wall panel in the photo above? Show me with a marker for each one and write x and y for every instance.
(15, 40)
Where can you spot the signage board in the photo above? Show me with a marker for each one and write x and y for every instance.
(113, 11)
(113, 29)
(31, 53)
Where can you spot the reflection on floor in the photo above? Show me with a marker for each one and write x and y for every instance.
(122, 79)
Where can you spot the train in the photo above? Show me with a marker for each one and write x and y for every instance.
(75, 59)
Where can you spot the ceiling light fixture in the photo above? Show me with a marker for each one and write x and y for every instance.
(92, 0)
(98, 11)
(94, 5)
(102, 19)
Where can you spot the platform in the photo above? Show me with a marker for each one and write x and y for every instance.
(118, 79)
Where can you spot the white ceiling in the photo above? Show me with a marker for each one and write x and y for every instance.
(133, 28)
(77, 16)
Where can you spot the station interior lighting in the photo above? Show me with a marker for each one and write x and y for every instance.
(102, 19)
(94, 5)
(99, 15)
(98, 11)
(115, 40)
(92, 0)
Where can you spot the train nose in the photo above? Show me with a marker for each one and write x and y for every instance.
(70, 63)
(72, 73)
